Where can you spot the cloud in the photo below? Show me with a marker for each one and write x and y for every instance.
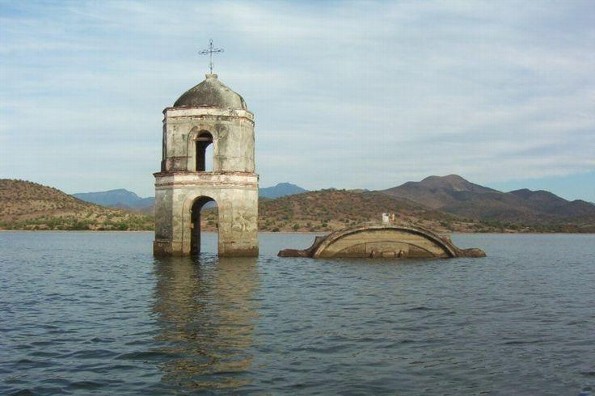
(346, 94)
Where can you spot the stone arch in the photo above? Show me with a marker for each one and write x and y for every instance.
(192, 222)
(202, 146)
(384, 241)
(202, 142)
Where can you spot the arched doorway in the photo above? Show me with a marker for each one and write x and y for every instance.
(204, 214)
(204, 152)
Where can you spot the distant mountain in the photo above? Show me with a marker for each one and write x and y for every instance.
(280, 190)
(455, 195)
(551, 203)
(119, 198)
(122, 198)
(437, 192)
(30, 206)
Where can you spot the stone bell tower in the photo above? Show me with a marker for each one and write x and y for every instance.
(208, 114)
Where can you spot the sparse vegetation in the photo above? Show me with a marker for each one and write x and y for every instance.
(332, 209)
(30, 206)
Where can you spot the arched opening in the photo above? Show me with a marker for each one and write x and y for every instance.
(204, 157)
(204, 217)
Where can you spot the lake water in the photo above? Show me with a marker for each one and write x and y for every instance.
(95, 313)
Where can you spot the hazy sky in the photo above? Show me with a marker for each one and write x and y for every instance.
(346, 94)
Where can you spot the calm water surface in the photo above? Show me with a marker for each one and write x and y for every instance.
(95, 313)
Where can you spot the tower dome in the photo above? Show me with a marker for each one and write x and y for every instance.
(211, 93)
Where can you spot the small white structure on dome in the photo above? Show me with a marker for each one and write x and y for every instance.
(385, 218)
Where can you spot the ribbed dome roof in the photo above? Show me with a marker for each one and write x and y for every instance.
(211, 93)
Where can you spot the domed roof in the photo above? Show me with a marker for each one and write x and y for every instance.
(211, 93)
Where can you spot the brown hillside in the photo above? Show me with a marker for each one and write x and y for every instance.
(438, 192)
(30, 206)
(539, 210)
(328, 210)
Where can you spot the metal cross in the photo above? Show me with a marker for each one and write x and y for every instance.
(210, 52)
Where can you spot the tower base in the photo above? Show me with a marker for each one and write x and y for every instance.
(179, 198)
(165, 248)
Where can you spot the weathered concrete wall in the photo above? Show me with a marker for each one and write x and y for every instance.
(233, 139)
(383, 241)
(232, 182)
(236, 196)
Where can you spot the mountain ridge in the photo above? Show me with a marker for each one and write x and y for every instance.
(280, 190)
(119, 198)
(443, 203)
(126, 199)
(451, 193)
(455, 195)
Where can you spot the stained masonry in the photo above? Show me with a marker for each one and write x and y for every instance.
(208, 114)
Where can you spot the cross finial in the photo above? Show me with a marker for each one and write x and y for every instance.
(210, 51)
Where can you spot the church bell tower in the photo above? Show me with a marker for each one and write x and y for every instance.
(209, 114)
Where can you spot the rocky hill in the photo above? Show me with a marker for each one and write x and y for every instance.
(536, 209)
(328, 210)
(546, 202)
(30, 206)
(438, 192)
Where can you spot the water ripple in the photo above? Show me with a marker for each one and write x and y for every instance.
(95, 313)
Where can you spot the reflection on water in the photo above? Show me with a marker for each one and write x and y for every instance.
(206, 311)
(95, 313)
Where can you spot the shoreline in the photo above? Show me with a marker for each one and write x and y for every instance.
(313, 232)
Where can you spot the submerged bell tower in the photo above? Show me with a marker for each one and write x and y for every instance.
(207, 120)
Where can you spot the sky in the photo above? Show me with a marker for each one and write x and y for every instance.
(346, 94)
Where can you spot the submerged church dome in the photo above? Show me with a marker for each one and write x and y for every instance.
(211, 93)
